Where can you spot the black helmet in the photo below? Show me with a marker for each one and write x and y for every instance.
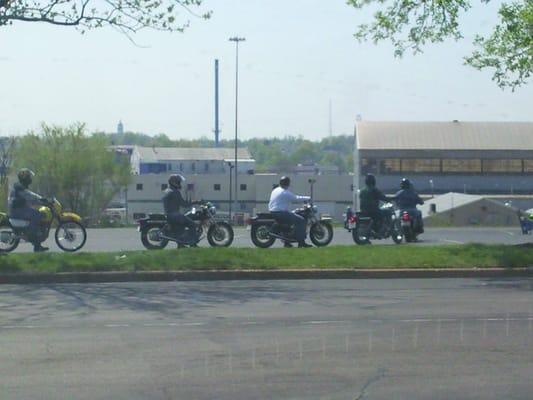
(370, 180)
(285, 181)
(175, 181)
(405, 183)
(25, 176)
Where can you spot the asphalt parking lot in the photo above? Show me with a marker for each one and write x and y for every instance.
(125, 239)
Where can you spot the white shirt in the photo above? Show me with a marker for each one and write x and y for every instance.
(281, 199)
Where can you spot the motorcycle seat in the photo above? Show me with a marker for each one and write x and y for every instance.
(19, 223)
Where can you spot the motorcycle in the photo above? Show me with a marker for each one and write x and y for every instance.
(156, 232)
(70, 234)
(265, 229)
(363, 227)
(411, 227)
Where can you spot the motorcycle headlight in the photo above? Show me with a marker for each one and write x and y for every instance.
(315, 209)
(212, 210)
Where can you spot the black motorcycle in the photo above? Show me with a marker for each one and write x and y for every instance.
(156, 232)
(363, 228)
(411, 225)
(266, 229)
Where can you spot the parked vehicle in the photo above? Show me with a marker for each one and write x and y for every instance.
(156, 232)
(411, 227)
(70, 234)
(265, 229)
(363, 228)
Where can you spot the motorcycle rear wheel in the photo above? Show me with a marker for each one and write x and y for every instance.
(396, 233)
(9, 241)
(149, 242)
(361, 235)
(261, 237)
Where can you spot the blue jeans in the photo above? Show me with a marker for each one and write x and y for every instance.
(178, 220)
(32, 215)
(289, 218)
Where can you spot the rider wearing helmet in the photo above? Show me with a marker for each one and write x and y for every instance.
(173, 201)
(21, 202)
(407, 199)
(279, 204)
(369, 198)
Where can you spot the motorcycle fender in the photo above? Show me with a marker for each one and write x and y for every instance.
(70, 217)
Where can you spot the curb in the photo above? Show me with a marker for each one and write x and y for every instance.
(164, 276)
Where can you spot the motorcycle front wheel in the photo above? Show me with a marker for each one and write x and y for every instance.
(220, 234)
(9, 240)
(321, 233)
(150, 238)
(70, 236)
(260, 235)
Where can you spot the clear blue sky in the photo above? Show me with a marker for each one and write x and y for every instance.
(299, 55)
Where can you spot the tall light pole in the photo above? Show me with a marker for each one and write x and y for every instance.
(236, 40)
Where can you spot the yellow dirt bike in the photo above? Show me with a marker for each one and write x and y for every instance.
(70, 234)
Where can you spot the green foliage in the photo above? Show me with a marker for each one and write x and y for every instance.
(410, 24)
(509, 50)
(76, 168)
(125, 16)
(271, 154)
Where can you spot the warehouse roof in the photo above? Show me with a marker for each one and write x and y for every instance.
(454, 135)
(154, 154)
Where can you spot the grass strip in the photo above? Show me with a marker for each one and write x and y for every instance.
(453, 256)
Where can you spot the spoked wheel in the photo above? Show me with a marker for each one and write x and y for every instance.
(220, 234)
(261, 236)
(8, 239)
(70, 236)
(151, 238)
(321, 233)
(361, 235)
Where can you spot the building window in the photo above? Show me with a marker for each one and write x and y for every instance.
(243, 187)
(390, 166)
(193, 167)
(369, 166)
(502, 166)
(164, 186)
(206, 167)
(420, 165)
(169, 167)
(181, 167)
(216, 187)
(528, 165)
(139, 186)
(457, 165)
(243, 206)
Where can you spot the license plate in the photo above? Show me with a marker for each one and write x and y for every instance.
(351, 225)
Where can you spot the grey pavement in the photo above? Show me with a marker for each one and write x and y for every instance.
(123, 239)
(350, 339)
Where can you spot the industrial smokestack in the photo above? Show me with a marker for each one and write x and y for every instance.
(217, 130)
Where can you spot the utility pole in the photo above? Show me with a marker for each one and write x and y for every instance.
(236, 40)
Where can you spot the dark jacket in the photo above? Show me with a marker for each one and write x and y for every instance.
(173, 201)
(369, 198)
(22, 197)
(407, 198)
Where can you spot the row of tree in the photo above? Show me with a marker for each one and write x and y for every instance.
(271, 154)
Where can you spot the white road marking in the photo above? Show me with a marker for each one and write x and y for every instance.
(452, 241)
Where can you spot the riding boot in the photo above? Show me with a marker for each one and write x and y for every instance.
(39, 248)
(302, 244)
(287, 245)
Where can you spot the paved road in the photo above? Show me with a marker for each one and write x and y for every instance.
(364, 339)
(128, 238)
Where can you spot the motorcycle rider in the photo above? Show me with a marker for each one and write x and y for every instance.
(407, 199)
(21, 202)
(369, 198)
(173, 201)
(280, 201)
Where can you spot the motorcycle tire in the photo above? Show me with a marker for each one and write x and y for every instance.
(63, 227)
(409, 235)
(357, 238)
(214, 235)
(7, 247)
(261, 237)
(397, 233)
(152, 244)
(321, 233)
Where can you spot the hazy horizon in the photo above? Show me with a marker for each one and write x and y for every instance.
(298, 57)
